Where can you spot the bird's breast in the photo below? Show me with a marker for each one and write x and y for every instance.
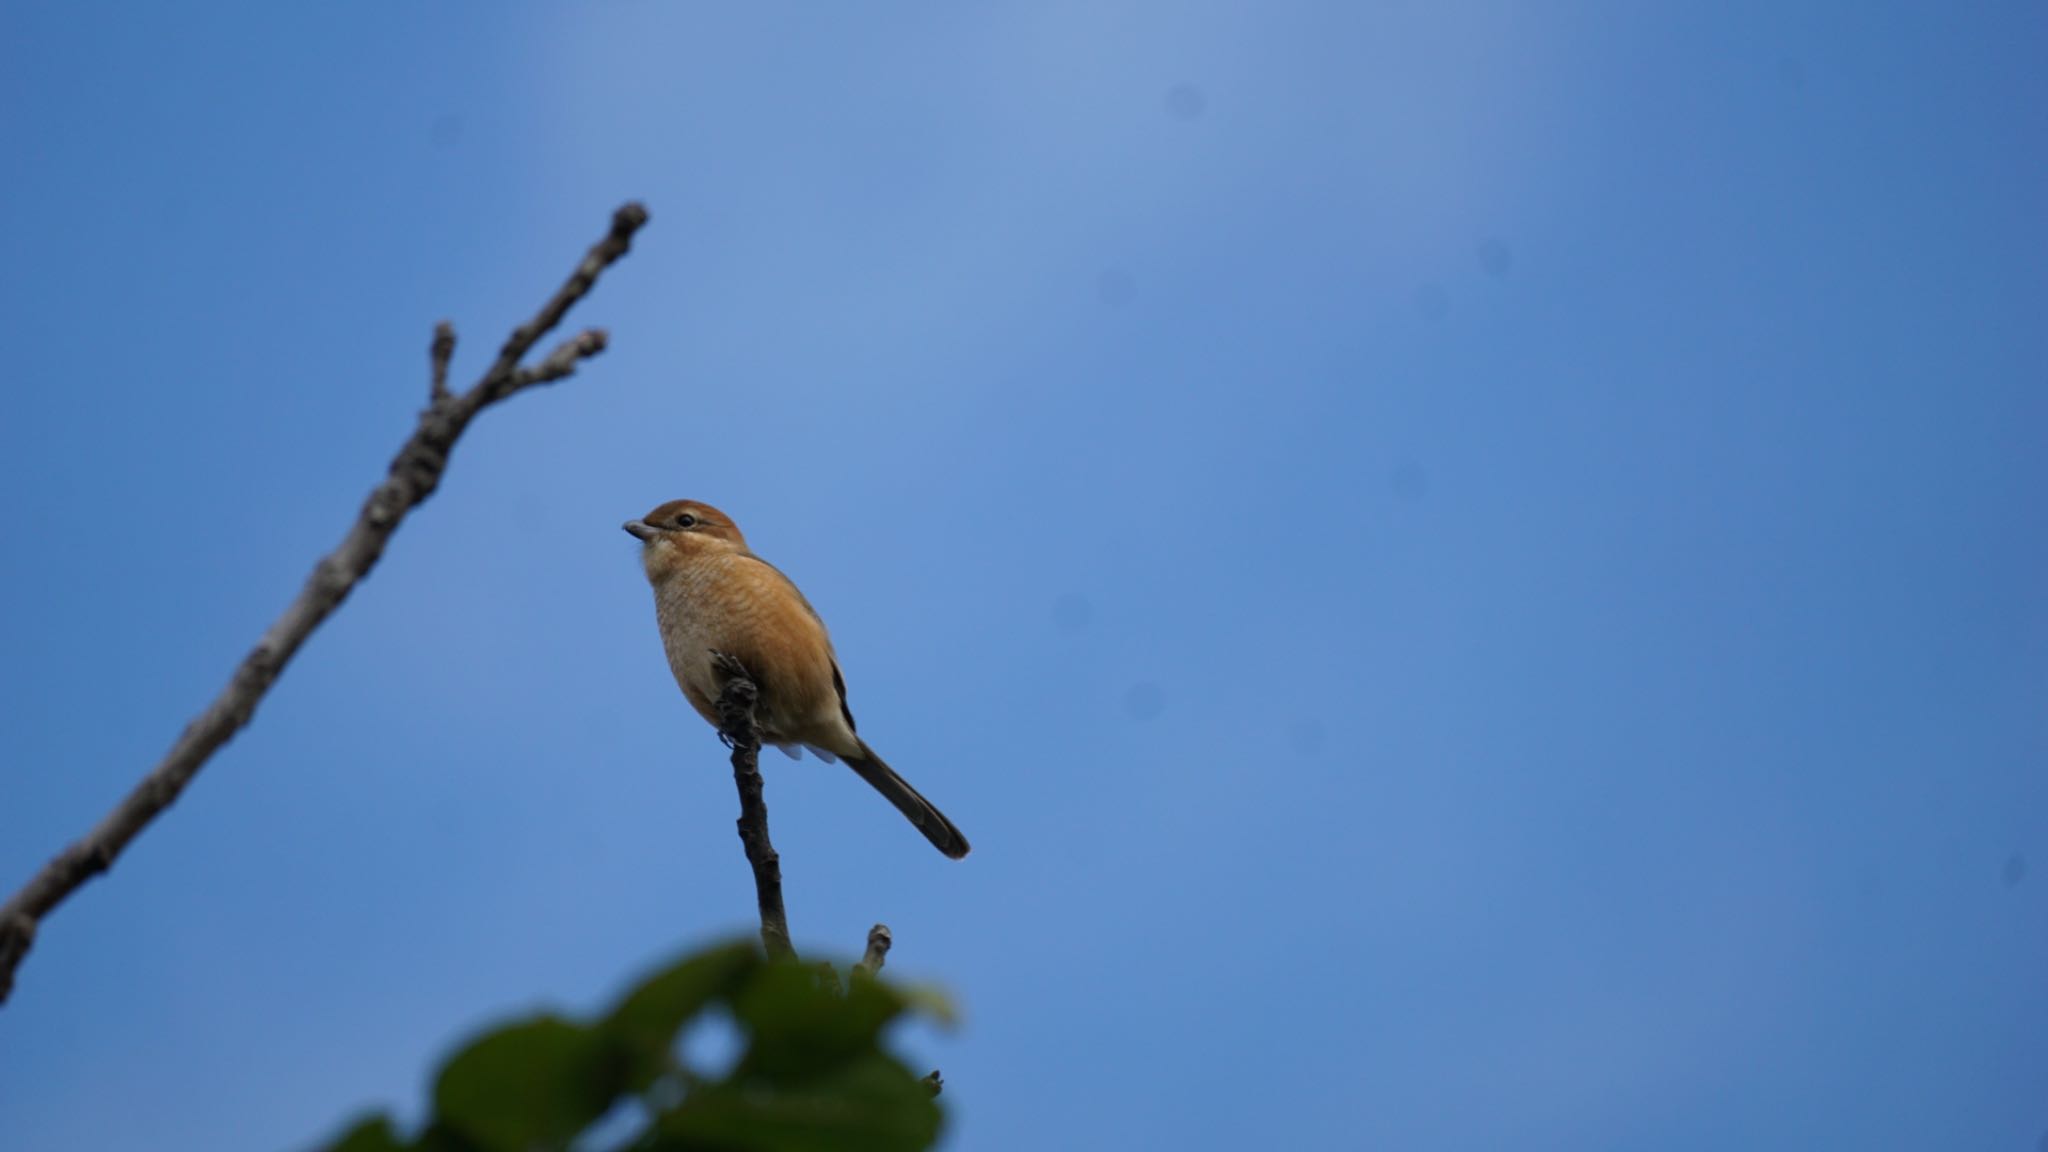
(702, 609)
(743, 608)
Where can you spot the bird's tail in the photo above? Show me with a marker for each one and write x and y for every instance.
(916, 808)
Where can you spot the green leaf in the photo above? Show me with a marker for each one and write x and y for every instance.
(869, 1104)
(370, 1134)
(645, 1023)
(534, 1084)
(930, 1000)
(798, 1029)
(814, 1076)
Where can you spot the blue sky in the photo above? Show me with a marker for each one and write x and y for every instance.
(1473, 572)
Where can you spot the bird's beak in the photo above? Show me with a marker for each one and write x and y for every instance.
(638, 529)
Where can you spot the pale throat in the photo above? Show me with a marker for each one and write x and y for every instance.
(682, 609)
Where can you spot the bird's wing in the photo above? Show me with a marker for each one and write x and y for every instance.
(838, 681)
(787, 582)
(839, 686)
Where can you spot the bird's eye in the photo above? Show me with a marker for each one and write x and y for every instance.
(686, 521)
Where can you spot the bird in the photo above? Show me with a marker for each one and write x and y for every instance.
(712, 595)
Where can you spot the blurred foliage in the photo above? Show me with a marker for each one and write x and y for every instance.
(812, 1074)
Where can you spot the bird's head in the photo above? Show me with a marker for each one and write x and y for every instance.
(679, 530)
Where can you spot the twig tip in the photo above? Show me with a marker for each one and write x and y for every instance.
(440, 352)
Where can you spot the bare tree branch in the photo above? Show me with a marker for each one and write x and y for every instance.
(562, 361)
(414, 474)
(879, 941)
(828, 978)
(501, 377)
(736, 726)
(870, 966)
(440, 352)
(736, 700)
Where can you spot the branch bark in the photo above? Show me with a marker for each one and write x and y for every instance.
(879, 942)
(414, 474)
(736, 699)
(736, 727)
(439, 353)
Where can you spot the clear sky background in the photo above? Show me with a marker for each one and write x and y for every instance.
(1475, 573)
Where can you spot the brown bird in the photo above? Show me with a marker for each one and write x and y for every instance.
(713, 595)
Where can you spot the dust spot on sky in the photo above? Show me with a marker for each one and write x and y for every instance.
(1114, 287)
(1143, 701)
(1432, 301)
(1495, 257)
(2014, 871)
(1409, 480)
(531, 508)
(1186, 102)
(1307, 736)
(1071, 612)
(445, 132)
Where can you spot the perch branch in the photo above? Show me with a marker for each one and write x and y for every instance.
(736, 726)
(414, 474)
